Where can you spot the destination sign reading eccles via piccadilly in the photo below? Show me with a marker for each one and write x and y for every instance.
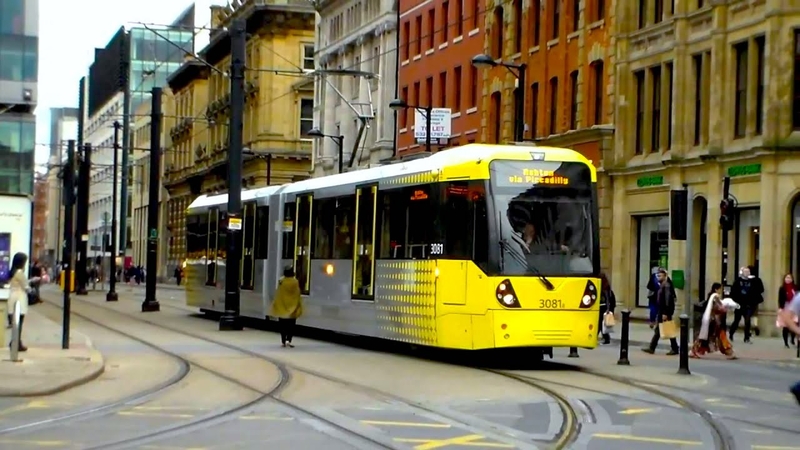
(538, 176)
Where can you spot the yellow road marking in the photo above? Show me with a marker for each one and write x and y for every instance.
(148, 414)
(773, 447)
(718, 402)
(638, 411)
(34, 404)
(265, 418)
(168, 408)
(34, 443)
(630, 437)
(406, 424)
(466, 441)
(751, 388)
(748, 430)
(162, 447)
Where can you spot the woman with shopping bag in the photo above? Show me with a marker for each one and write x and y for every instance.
(666, 308)
(608, 302)
(712, 336)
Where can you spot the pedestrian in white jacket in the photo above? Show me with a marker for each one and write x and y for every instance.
(19, 286)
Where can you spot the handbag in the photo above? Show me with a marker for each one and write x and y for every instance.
(608, 320)
(668, 329)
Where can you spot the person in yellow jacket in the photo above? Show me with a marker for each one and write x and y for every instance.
(287, 306)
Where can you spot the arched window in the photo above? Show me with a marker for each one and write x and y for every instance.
(495, 118)
(517, 26)
(497, 33)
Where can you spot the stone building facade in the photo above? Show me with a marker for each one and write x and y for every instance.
(706, 90)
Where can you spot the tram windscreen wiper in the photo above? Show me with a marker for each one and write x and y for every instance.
(518, 257)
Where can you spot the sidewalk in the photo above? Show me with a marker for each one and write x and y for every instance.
(45, 368)
(762, 348)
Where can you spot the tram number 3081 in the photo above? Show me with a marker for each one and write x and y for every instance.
(550, 304)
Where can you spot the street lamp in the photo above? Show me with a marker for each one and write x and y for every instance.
(399, 105)
(339, 140)
(484, 61)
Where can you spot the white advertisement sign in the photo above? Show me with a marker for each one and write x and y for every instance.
(441, 123)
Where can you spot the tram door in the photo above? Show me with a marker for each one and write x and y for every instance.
(248, 246)
(364, 254)
(211, 248)
(302, 242)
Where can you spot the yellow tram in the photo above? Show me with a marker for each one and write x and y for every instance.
(477, 247)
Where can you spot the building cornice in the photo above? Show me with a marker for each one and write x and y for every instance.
(383, 25)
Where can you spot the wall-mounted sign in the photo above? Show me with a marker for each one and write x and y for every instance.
(653, 180)
(745, 169)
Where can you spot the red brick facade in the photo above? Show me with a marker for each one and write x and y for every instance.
(40, 188)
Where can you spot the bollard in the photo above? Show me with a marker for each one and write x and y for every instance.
(623, 343)
(573, 352)
(684, 350)
(14, 347)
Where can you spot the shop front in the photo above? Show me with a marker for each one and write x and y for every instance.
(766, 232)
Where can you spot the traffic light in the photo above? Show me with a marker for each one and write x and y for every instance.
(727, 210)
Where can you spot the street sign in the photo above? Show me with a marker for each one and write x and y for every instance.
(441, 123)
(234, 223)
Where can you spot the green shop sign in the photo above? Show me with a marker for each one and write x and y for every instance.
(743, 170)
(654, 180)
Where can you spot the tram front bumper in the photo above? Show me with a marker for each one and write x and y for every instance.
(548, 328)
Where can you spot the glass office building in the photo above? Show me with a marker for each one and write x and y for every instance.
(154, 56)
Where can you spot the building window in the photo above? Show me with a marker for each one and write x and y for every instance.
(573, 88)
(556, 18)
(700, 3)
(534, 108)
(473, 90)
(760, 48)
(12, 17)
(445, 21)
(655, 119)
(403, 115)
(459, 22)
(553, 105)
(600, 9)
(17, 144)
(639, 77)
(740, 108)
(497, 33)
(308, 56)
(496, 117)
(535, 13)
(597, 71)
(670, 79)
(443, 90)
(476, 14)
(428, 92)
(796, 103)
(306, 116)
(19, 55)
(418, 41)
(417, 97)
(659, 11)
(431, 27)
(698, 97)
(576, 15)
(457, 91)
(642, 13)
(517, 26)
(406, 39)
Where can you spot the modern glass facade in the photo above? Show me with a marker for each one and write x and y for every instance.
(154, 58)
(17, 144)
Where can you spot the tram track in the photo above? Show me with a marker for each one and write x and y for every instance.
(566, 435)
(271, 394)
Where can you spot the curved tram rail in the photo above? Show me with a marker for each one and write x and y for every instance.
(567, 434)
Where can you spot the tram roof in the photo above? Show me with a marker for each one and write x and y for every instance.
(221, 199)
(436, 161)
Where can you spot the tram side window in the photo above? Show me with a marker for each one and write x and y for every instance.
(344, 227)
(261, 224)
(408, 221)
(222, 240)
(288, 227)
(464, 226)
(322, 228)
(196, 230)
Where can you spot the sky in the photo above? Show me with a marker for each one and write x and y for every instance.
(69, 31)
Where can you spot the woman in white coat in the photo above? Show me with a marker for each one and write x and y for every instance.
(19, 286)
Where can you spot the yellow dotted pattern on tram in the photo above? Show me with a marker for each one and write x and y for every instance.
(406, 301)
(417, 178)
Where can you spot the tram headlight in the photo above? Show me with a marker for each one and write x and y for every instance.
(589, 295)
(506, 296)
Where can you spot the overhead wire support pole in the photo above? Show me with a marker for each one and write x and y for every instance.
(112, 296)
(126, 150)
(231, 320)
(150, 303)
(69, 238)
(84, 184)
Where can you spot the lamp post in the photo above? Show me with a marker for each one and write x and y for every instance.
(399, 105)
(339, 140)
(483, 61)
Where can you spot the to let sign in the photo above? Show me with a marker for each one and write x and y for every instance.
(441, 123)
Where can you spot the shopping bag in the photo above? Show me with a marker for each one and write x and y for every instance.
(608, 320)
(668, 329)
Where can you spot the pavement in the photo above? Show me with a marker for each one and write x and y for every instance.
(46, 368)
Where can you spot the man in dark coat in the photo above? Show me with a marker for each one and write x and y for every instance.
(666, 309)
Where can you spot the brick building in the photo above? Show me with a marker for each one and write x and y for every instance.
(568, 48)
(438, 39)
